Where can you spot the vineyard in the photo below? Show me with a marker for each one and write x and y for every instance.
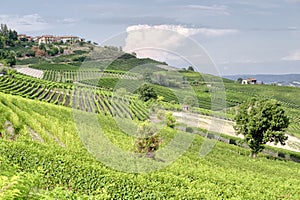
(56, 89)
(69, 76)
(169, 94)
(59, 167)
(82, 98)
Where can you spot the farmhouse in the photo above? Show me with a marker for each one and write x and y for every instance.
(47, 39)
(249, 81)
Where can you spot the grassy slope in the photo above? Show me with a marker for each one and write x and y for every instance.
(227, 172)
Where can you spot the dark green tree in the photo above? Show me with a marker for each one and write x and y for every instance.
(261, 121)
(190, 68)
(146, 92)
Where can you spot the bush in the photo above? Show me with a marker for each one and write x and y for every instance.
(170, 119)
(148, 140)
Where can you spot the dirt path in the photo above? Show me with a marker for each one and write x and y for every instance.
(226, 127)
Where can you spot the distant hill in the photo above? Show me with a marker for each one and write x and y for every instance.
(284, 79)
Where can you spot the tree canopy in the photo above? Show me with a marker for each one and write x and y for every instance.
(146, 92)
(261, 121)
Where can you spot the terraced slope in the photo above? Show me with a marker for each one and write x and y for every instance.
(41, 141)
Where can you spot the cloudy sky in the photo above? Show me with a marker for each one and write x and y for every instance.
(240, 36)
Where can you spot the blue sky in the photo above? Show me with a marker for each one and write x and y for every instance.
(241, 36)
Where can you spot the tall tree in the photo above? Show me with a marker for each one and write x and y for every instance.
(261, 121)
(4, 30)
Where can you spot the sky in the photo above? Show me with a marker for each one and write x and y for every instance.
(239, 36)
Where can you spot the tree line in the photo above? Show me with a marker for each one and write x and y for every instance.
(8, 38)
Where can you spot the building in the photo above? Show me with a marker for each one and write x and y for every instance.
(71, 39)
(249, 81)
(48, 39)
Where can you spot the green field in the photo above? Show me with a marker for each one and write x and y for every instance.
(45, 149)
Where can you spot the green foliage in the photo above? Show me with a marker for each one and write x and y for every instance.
(146, 92)
(8, 57)
(170, 119)
(70, 172)
(14, 184)
(8, 37)
(261, 121)
(127, 62)
(53, 51)
(148, 141)
(31, 61)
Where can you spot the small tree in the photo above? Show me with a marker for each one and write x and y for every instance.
(261, 121)
(148, 140)
(190, 68)
(146, 92)
(170, 119)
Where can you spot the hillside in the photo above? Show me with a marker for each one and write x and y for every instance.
(74, 124)
(42, 141)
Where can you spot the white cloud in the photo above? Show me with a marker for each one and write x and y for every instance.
(184, 30)
(68, 21)
(210, 10)
(158, 42)
(293, 56)
(25, 23)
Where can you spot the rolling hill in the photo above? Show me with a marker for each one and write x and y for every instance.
(70, 133)
(43, 157)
